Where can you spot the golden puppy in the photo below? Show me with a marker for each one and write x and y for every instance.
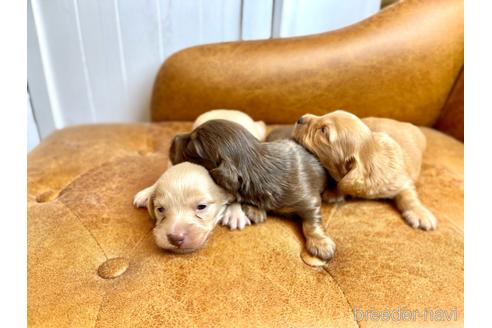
(257, 129)
(369, 158)
(186, 204)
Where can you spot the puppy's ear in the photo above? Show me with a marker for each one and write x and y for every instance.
(176, 152)
(350, 163)
(197, 153)
(346, 165)
(150, 205)
(330, 132)
(194, 148)
(226, 176)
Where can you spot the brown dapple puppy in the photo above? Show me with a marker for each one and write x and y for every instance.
(233, 217)
(369, 158)
(280, 176)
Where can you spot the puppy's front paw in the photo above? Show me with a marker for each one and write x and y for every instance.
(140, 199)
(332, 197)
(255, 214)
(323, 248)
(420, 218)
(234, 217)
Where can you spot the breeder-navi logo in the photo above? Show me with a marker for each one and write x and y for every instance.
(399, 314)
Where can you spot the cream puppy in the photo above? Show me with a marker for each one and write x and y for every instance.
(369, 158)
(257, 129)
(186, 205)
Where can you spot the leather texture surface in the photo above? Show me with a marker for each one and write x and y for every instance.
(400, 63)
(81, 181)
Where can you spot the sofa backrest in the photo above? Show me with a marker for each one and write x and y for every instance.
(401, 63)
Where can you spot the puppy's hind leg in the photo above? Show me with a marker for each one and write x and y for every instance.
(413, 211)
(140, 199)
(332, 196)
(318, 243)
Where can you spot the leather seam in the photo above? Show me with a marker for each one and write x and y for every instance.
(344, 295)
(131, 253)
(333, 212)
(444, 108)
(116, 159)
(456, 228)
(85, 227)
(100, 307)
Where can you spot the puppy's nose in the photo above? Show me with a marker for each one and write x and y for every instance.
(300, 120)
(176, 239)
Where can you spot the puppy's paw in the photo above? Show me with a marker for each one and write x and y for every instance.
(140, 199)
(255, 214)
(234, 217)
(332, 197)
(323, 248)
(420, 218)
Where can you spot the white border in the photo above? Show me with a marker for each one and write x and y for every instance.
(13, 135)
(478, 164)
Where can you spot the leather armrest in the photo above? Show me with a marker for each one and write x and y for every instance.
(400, 63)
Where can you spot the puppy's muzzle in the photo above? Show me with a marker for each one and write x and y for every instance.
(176, 239)
(301, 120)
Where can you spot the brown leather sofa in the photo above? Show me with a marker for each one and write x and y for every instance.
(91, 257)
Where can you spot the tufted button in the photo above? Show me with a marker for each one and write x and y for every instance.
(113, 268)
(46, 196)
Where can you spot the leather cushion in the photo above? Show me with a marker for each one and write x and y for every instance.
(81, 181)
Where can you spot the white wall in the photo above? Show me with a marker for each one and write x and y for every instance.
(95, 60)
(32, 130)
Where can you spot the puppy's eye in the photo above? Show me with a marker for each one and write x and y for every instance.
(324, 129)
(160, 209)
(201, 207)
